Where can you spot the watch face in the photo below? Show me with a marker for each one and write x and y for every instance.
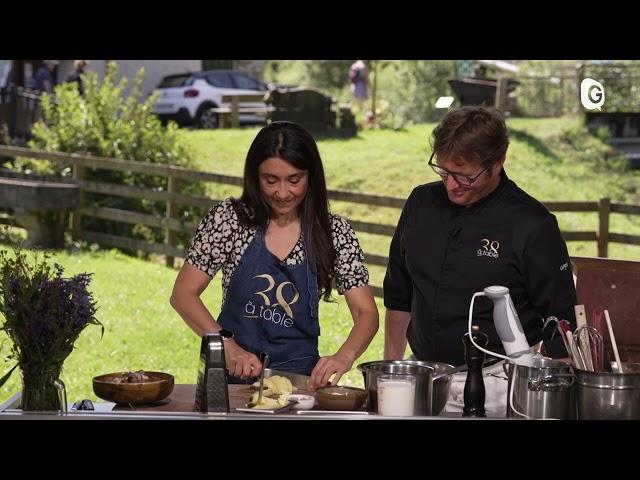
(226, 334)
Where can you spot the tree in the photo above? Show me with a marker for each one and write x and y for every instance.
(104, 122)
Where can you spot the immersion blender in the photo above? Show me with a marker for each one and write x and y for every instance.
(507, 324)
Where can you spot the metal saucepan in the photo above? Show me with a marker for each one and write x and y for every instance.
(433, 380)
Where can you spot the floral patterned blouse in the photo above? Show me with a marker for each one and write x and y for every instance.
(221, 240)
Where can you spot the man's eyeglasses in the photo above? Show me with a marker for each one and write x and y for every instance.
(458, 177)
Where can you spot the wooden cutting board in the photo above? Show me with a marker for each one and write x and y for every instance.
(182, 399)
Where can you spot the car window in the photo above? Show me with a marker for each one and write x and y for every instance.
(246, 83)
(174, 81)
(220, 80)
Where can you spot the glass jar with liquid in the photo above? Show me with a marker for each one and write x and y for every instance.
(396, 395)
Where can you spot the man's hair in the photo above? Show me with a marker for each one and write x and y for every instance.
(477, 134)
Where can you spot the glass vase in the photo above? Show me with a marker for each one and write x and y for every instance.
(42, 390)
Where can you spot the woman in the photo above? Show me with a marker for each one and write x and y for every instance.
(280, 250)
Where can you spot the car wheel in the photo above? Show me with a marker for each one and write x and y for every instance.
(207, 118)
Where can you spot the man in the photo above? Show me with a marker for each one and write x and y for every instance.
(474, 229)
(43, 79)
(78, 72)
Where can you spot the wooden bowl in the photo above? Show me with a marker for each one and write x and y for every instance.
(111, 388)
(340, 398)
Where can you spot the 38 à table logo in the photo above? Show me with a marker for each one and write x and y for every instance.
(488, 248)
(269, 310)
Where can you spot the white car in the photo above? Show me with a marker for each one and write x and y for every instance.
(189, 98)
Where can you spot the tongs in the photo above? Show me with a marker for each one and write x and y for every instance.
(264, 359)
(564, 330)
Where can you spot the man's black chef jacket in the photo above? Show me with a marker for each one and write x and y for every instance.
(442, 253)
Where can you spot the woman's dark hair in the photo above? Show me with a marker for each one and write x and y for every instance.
(293, 144)
(477, 134)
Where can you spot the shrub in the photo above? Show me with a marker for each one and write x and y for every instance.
(105, 122)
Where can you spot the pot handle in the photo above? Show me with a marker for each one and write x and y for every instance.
(550, 382)
(446, 373)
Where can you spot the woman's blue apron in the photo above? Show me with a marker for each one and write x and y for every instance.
(272, 307)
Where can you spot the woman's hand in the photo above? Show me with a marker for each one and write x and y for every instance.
(365, 318)
(241, 363)
(337, 364)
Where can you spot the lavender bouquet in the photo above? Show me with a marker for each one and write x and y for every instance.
(44, 313)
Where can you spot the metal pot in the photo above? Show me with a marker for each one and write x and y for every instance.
(608, 395)
(544, 390)
(432, 382)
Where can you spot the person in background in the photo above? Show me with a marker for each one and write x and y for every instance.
(78, 70)
(359, 81)
(43, 79)
(280, 251)
(473, 229)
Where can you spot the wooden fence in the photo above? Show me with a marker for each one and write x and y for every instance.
(238, 104)
(19, 110)
(172, 225)
(543, 96)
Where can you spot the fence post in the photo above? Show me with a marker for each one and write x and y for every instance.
(374, 91)
(76, 216)
(500, 102)
(13, 112)
(173, 210)
(604, 208)
(579, 76)
(235, 123)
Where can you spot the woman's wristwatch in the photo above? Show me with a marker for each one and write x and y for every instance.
(225, 334)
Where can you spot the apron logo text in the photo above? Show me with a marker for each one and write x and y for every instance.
(271, 314)
(488, 249)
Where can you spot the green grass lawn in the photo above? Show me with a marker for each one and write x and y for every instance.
(142, 331)
(552, 159)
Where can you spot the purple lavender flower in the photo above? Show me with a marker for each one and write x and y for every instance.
(44, 312)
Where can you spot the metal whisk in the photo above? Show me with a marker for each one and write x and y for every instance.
(590, 345)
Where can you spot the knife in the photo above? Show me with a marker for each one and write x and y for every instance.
(284, 409)
(299, 381)
(264, 359)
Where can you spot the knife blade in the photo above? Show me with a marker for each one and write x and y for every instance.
(264, 359)
(284, 409)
